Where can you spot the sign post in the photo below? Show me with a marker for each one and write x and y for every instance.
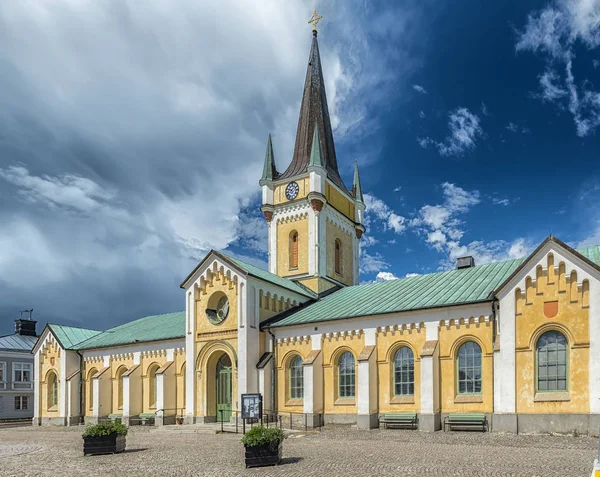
(252, 408)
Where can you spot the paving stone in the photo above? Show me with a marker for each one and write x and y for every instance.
(335, 451)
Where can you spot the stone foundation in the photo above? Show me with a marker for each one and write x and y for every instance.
(430, 422)
(367, 421)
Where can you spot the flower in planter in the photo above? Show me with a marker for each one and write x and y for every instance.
(105, 429)
(260, 436)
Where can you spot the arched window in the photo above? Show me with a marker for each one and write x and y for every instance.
(90, 388)
(469, 368)
(52, 390)
(152, 385)
(404, 372)
(338, 256)
(293, 249)
(120, 373)
(346, 375)
(551, 351)
(296, 378)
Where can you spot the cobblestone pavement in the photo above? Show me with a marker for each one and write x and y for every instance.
(333, 452)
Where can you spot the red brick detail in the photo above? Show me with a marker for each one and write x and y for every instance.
(550, 309)
(316, 205)
(268, 215)
(359, 233)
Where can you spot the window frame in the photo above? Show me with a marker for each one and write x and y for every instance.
(337, 259)
(3, 369)
(294, 239)
(21, 400)
(457, 371)
(566, 364)
(153, 384)
(52, 398)
(296, 382)
(394, 371)
(346, 386)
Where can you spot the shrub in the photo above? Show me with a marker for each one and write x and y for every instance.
(262, 436)
(105, 429)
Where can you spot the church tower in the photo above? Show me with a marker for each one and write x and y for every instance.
(315, 222)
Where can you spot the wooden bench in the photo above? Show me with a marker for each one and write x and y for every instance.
(146, 418)
(404, 419)
(464, 421)
(116, 417)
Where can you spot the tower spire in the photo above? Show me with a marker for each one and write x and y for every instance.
(314, 110)
(269, 169)
(356, 188)
(316, 154)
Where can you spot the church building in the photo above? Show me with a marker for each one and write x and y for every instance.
(518, 341)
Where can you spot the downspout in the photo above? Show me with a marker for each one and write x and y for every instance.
(81, 397)
(273, 382)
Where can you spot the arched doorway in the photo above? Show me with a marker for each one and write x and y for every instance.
(223, 394)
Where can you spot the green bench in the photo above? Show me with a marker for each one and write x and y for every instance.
(116, 417)
(464, 421)
(403, 419)
(145, 418)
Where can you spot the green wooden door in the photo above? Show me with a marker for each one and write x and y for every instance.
(224, 388)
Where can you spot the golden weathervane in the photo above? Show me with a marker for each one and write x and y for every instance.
(315, 20)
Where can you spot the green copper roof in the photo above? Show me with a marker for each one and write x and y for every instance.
(592, 253)
(469, 285)
(151, 328)
(271, 277)
(453, 287)
(316, 153)
(269, 170)
(71, 336)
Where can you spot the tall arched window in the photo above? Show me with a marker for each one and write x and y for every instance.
(293, 249)
(52, 383)
(90, 388)
(152, 385)
(469, 368)
(404, 372)
(338, 256)
(296, 378)
(551, 355)
(120, 373)
(346, 376)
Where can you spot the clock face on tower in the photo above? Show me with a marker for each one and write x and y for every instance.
(291, 191)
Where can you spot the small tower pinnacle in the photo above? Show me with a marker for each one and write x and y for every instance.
(356, 188)
(269, 170)
(316, 153)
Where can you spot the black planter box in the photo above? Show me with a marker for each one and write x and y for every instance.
(94, 445)
(263, 455)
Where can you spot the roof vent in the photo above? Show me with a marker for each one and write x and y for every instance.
(465, 262)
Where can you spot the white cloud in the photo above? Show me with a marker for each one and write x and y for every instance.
(512, 127)
(484, 109)
(422, 114)
(419, 89)
(554, 32)
(383, 214)
(412, 275)
(498, 201)
(398, 189)
(465, 130)
(442, 228)
(372, 263)
(385, 277)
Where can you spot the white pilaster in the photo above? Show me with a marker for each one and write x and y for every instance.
(96, 393)
(36, 387)
(594, 326)
(313, 242)
(272, 240)
(126, 398)
(190, 356)
(62, 401)
(504, 360)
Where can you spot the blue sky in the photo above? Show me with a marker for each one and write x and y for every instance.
(133, 144)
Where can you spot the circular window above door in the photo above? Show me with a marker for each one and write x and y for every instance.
(218, 308)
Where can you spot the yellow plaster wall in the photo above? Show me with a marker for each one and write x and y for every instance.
(387, 344)
(333, 233)
(451, 336)
(88, 366)
(279, 191)
(284, 229)
(285, 353)
(218, 283)
(50, 351)
(332, 349)
(317, 284)
(572, 320)
(271, 305)
(146, 362)
(115, 364)
(339, 201)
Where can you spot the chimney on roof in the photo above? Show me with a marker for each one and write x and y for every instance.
(25, 327)
(465, 262)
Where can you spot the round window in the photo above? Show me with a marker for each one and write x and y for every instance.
(217, 314)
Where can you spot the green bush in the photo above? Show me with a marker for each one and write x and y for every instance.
(262, 436)
(105, 429)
